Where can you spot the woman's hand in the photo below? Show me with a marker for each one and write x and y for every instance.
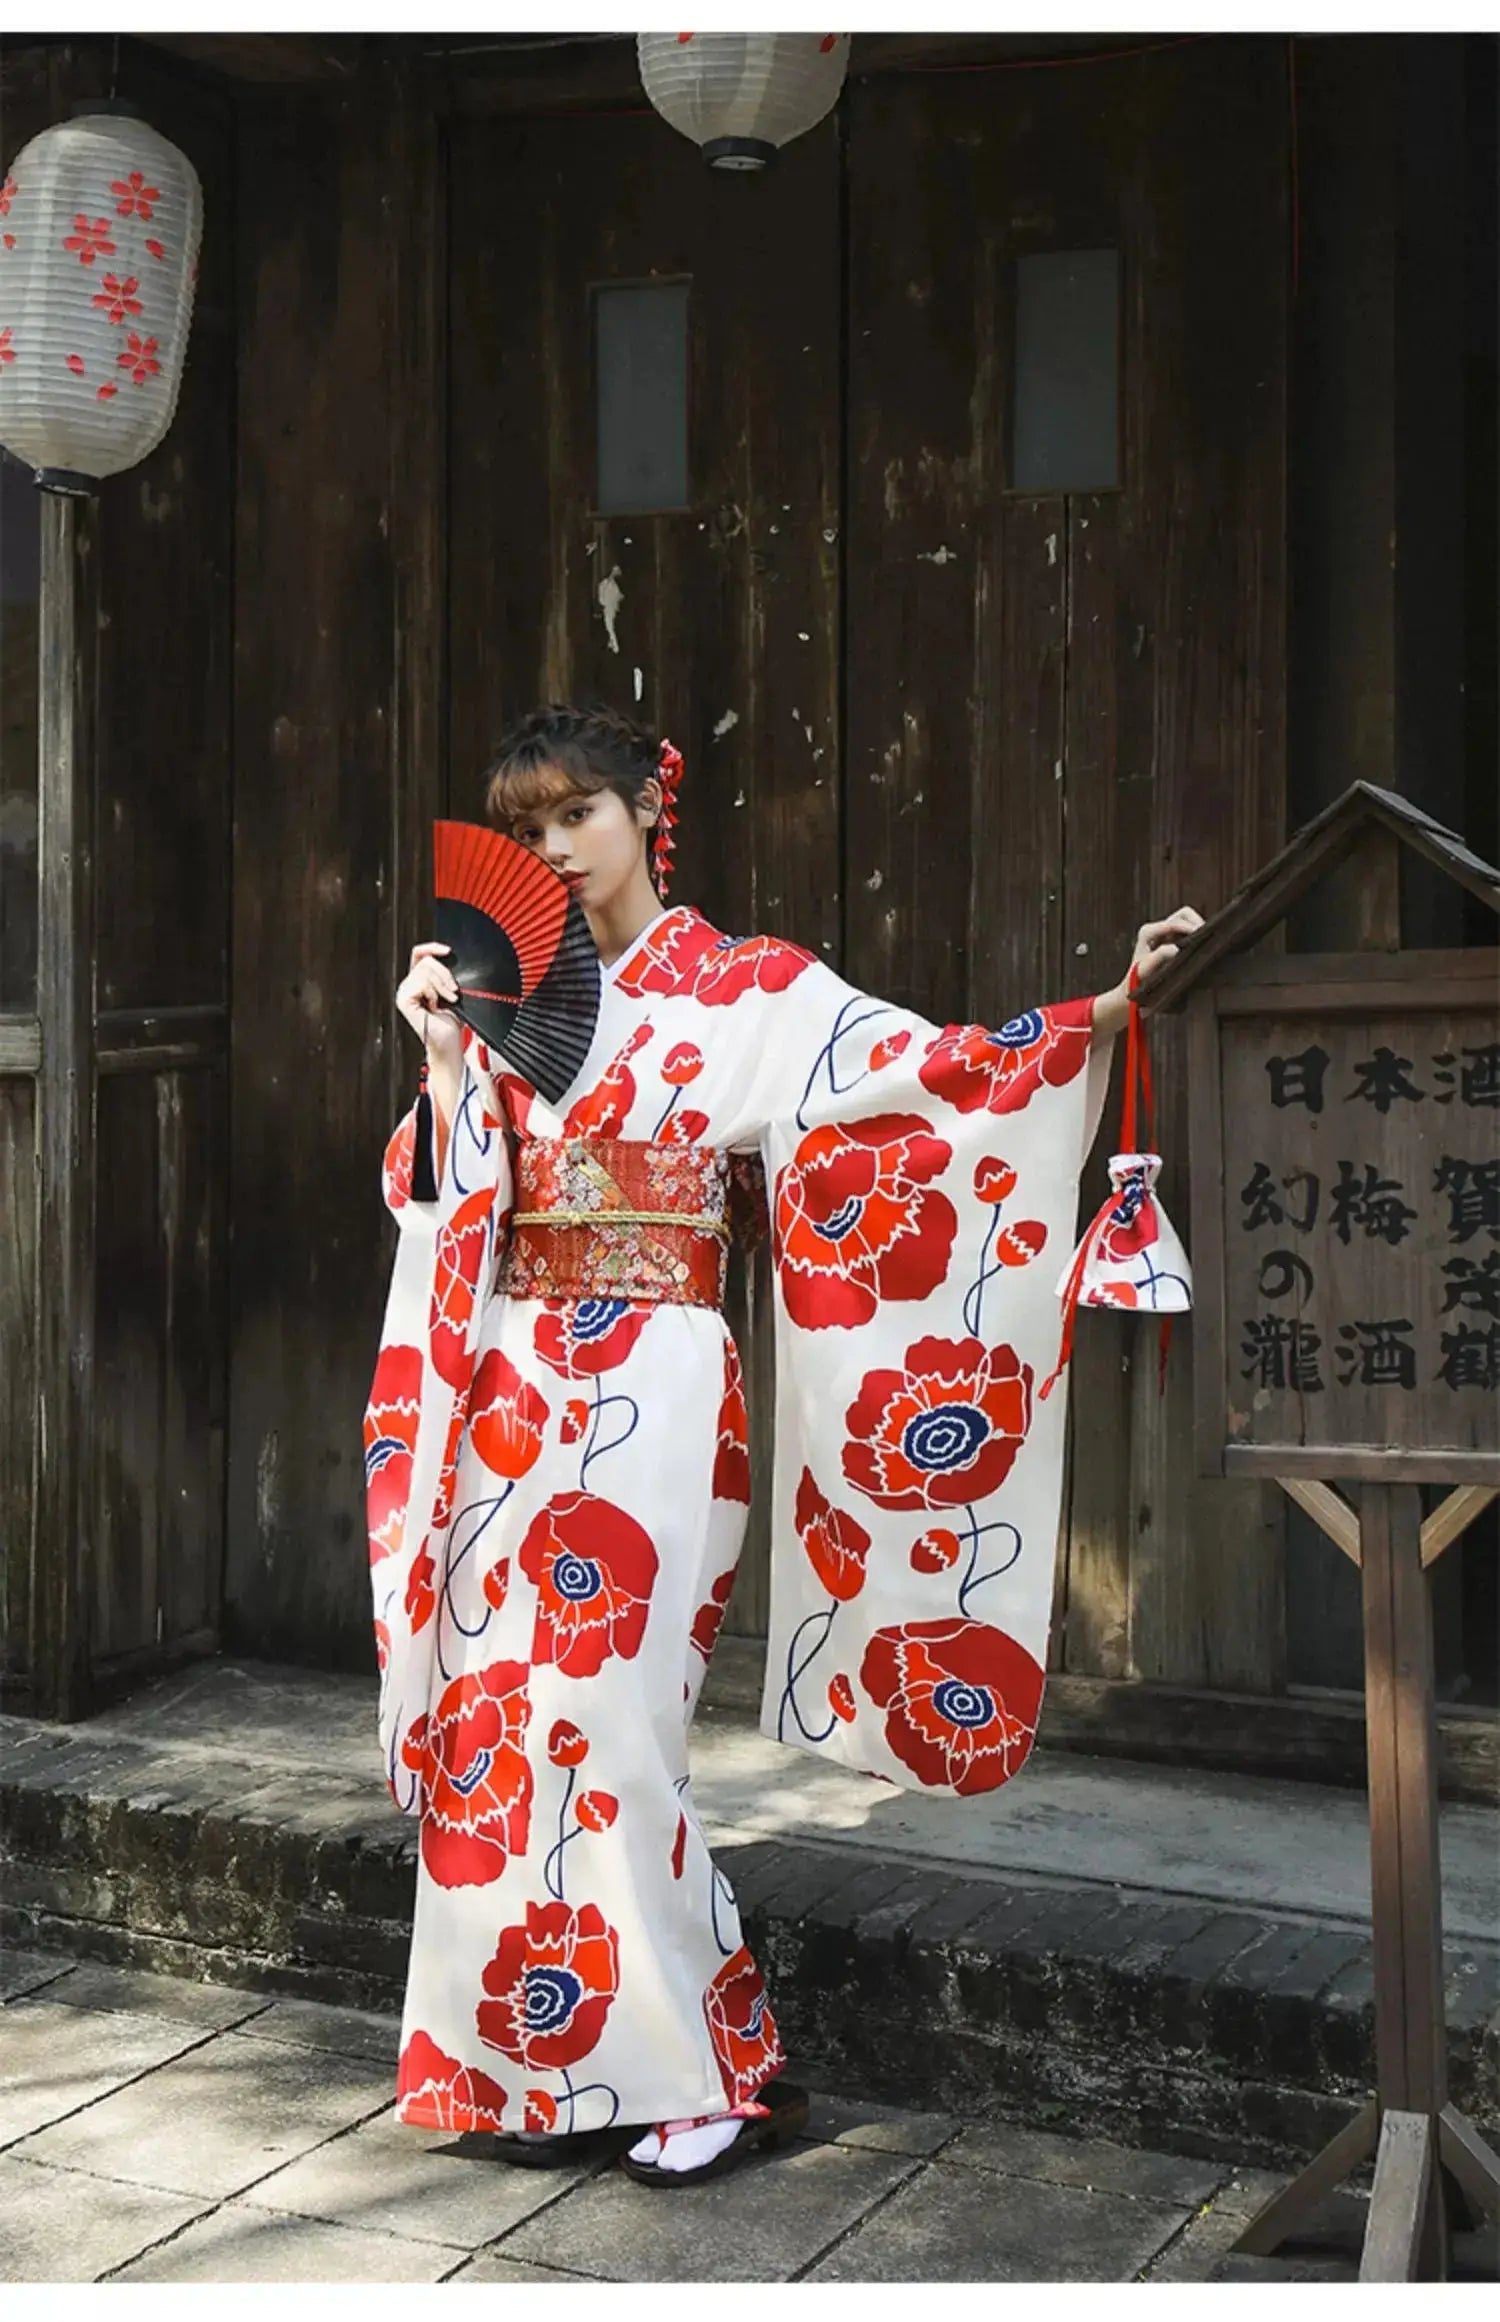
(1157, 942)
(424, 996)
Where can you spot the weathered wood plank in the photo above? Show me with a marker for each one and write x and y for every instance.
(66, 1138)
(131, 1357)
(719, 626)
(315, 619)
(18, 1315)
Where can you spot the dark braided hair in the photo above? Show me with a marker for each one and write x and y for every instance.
(591, 748)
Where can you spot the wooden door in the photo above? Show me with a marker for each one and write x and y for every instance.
(716, 621)
(1065, 705)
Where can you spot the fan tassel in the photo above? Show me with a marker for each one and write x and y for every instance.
(423, 1177)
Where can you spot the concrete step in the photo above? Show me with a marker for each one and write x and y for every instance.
(1198, 1990)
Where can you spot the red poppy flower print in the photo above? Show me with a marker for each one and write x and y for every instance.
(583, 1337)
(421, 1598)
(1000, 1072)
(391, 1418)
(517, 1096)
(836, 1545)
(476, 1782)
(709, 1618)
(550, 1986)
(434, 2091)
(593, 1568)
(684, 957)
(682, 1065)
(566, 1746)
(497, 1583)
(961, 1701)
(396, 1168)
(442, 1506)
(887, 1050)
(732, 1459)
(382, 1647)
(597, 1809)
(506, 1417)
(857, 1223)
(90, 238)
(994, 1182)
(134, 198)
(942, 1432)
(575, 1419)
(841, 1698)
(936, 1551)
(682, 1128)
(118, 299)
(457, 1266)
(679, 1847)
(742, 2028)
(541, 2112)
(606, 1107)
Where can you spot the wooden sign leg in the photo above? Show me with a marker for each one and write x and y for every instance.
(1422, 2139)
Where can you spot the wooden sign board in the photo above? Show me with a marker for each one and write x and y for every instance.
(1346, 1216)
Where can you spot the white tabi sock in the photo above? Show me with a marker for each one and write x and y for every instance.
(687, 2148)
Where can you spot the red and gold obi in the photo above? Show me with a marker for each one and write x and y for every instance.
(600, 1217)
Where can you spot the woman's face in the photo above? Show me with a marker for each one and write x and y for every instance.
(591, 838)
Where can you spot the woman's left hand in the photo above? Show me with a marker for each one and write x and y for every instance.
(1157, 942)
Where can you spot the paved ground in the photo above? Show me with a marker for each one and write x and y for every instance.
(158, 2130)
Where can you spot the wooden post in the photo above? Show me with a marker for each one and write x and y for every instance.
(65, 1107)
(1418, 2137)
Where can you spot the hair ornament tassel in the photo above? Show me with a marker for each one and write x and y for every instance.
(664, 846)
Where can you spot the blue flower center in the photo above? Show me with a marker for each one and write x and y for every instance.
(468, 1781)
(842, 1220)
(595, 1318)
(962, 1704)
(945, 1438)
(1021, 1031)
(755, 2022)
(1132, 1196)
(576, 1578)
(552, 1993)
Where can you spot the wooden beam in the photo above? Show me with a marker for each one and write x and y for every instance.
(1329, 1511)
(1454, 1516)
(1285, 2211)
(1399, 2198)
(1474, 2163)
(285, 57)
(20, 1044)
(68, 678)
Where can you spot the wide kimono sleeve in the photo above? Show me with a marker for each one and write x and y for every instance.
(414, 1421)
(923, 1186)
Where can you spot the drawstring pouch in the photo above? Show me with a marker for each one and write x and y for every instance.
(1131, 1257)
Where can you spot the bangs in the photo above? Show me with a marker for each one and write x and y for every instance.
(520, 789)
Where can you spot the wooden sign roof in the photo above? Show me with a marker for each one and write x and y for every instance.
(1317, 847)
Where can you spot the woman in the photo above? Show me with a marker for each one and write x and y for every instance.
(559, 1476)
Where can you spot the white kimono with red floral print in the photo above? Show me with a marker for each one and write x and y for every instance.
(558, 1490)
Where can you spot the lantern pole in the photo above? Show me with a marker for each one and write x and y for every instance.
(63, 1538)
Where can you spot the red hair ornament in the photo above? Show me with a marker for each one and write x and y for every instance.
(1131, 1257)
(664, 846)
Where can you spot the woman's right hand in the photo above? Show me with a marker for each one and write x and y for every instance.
(424, 995)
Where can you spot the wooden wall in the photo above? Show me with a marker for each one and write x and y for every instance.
(337, 764)
(959, 740)
(163, 541)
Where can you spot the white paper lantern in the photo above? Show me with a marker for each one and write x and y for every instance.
(741, 95)
(100, 221)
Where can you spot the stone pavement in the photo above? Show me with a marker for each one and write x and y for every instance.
(153, 2129)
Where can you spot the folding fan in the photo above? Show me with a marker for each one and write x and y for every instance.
(520, 951)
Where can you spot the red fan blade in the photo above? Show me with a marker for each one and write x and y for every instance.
(472, 864)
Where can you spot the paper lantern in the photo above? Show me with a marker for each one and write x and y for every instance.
(100, 220)
(741, 95)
